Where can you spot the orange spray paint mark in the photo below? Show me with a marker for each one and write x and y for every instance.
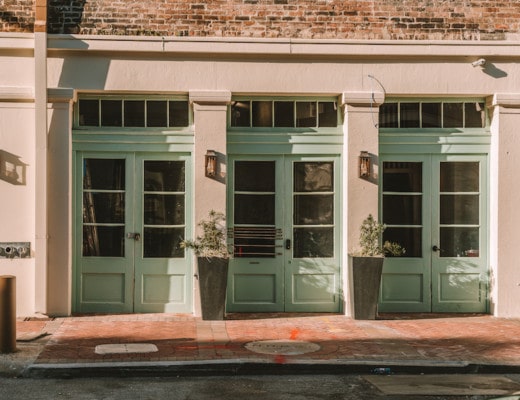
(280, 359)
(294, 334)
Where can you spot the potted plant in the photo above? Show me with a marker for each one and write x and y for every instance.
(367, 267)
(212, 262)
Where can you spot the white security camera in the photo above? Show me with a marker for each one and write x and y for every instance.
(479, 63)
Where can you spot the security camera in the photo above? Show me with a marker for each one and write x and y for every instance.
(479, 63)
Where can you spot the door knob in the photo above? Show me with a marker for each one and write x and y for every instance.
(435, 248)
(133, 235)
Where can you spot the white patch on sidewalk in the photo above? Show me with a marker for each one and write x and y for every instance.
(282, 347)
(444, 385)
(124, 348)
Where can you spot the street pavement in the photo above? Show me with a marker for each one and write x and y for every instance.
(182, 345)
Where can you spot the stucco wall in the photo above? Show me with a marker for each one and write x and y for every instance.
(17, 195)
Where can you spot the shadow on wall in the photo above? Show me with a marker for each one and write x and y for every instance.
(12, 20)
(12, 170)
(65, 16)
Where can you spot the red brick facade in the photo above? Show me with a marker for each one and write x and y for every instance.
(17, 15)
(305, 19)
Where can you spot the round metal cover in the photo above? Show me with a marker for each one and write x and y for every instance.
(282, 347)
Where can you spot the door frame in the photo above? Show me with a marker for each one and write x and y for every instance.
(284, 268)
(131, 201)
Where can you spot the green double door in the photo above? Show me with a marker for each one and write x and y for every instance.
(436, 207)
(130, 215)
(283, 219)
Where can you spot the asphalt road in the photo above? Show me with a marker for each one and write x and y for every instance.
(266, 387)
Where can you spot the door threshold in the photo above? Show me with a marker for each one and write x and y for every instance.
(274, 315)
(425, 315)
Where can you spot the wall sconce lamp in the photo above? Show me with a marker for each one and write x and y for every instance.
(365, 162)
(210, 164)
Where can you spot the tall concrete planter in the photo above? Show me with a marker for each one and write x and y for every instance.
(366, 279)
(213, 274)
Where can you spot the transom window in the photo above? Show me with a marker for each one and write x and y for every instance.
(261, 113)
(407, 114)
(133, 113)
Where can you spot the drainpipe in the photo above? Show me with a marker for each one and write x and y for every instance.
(40, 167)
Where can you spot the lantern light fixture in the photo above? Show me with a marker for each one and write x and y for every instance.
(210, 164)
(365, 162)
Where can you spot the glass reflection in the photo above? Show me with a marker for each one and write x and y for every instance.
(104, 174)
(254, 176)
(459, 241)
(163, 209)
(164, 176)
(459, 209)
(103, 241)
(313, 177)
(315, 242)
(314, 209)
(255, 209)
(459, 176)
(163, 242)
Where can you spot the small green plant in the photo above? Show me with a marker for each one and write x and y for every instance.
(370, 240)
(212, 241)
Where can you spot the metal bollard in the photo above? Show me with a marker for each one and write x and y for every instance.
(7, 314)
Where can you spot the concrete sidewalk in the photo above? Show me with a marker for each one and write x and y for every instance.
(263, 343)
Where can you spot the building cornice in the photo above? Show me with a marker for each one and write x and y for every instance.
(284, 47)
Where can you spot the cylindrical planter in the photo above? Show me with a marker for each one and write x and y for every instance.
(213, 273)
(366, 279)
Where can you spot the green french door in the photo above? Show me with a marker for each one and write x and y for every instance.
(283, 223)
(436, 207)
(130, 215)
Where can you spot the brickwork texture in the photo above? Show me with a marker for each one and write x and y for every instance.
(304, 19)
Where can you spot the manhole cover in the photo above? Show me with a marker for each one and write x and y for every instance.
(283, 347)
(126, 348)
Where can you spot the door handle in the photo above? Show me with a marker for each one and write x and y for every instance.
(435, 248)
(288, 244)
(133, 235)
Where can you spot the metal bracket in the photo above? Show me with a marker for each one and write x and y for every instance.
(15, 250)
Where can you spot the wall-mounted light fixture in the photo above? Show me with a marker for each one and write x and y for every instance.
(210, 164)
(365, 162)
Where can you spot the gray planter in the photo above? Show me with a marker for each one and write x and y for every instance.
(366, 278)
(213, 273)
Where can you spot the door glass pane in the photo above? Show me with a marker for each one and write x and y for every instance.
(254, 209)
(402, 205)
(410, 238)
(284, 114)
(163, 242)
(313, 242)
(459, 241)
(314, 209)
(103, 207)
(388, 115)
(459, 209)
(104, 174)
(313, 177)
(402, 209)
(179, 115)
(164, 176)
(89, 112)
(402, 176)
(163, 208)
(254, 176)
(103, 241)
(459, 176)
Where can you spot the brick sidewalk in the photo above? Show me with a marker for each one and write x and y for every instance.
(182, 338)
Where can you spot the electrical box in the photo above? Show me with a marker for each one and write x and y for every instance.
(15, 250)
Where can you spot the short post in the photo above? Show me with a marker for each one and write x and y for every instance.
(7, 314)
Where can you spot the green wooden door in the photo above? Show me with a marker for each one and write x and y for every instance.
(284, 227)
(436, 207)
(131, 211)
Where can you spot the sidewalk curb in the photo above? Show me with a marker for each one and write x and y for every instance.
(252, 367)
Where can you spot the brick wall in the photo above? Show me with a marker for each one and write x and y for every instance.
(310, 19)
(16, 15)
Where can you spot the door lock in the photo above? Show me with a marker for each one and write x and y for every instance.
(435, 248)
(133, 235)
(288, 244)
